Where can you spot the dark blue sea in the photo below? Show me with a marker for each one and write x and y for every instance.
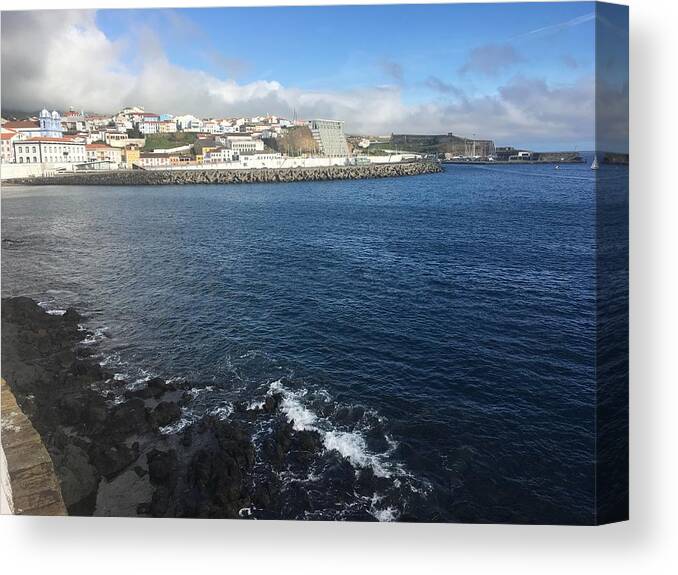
(437, 330)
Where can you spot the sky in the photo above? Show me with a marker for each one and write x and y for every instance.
(521, 74)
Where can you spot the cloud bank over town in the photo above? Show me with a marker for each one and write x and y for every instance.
(68, 60)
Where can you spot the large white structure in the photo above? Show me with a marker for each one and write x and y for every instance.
(329, 135)
(43, 150)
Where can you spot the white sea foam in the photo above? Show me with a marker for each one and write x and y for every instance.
(177, 426)
(56, 311)
(300, 417)
(297, 414)
(196, 391)
(222, 412)
(254, 405)
(96, 336)
(350, 445)
(382, 514)
(385, 515)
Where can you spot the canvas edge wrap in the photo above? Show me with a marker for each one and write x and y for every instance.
(612, 264)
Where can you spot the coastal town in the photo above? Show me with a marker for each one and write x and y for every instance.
(52, 143)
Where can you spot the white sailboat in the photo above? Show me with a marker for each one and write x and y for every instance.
(594, 165)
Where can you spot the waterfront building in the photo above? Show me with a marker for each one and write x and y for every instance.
(148, 160)
(45, 150)
(180, 159)
(329, 136)
(131, 155)
(7, 139)
(102, 152)
(220, 155)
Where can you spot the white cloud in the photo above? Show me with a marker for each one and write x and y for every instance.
(62, 59)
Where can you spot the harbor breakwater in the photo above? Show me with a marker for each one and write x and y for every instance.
(219, 176)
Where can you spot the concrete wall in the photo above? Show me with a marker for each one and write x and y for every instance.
(29, 483)
(14, 171)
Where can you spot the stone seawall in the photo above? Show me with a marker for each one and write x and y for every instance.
(29, 483)
(217, 176)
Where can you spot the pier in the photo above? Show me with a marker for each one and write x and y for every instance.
(225, 176)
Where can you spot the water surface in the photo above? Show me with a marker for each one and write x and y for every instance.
(438, 330)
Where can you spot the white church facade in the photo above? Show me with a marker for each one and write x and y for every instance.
(50, 124)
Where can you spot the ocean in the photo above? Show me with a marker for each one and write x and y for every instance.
(438, 331)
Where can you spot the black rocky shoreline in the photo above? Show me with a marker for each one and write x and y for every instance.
(108, 448)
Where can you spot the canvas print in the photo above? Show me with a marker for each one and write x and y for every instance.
(359, 263)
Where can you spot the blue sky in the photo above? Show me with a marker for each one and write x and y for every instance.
(521, 74)
(339, 47)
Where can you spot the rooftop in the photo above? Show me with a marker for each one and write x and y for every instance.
(64, 140)
(18, 124)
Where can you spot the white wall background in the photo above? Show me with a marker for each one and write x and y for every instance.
(646, 544)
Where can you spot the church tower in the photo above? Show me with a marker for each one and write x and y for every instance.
(50, 124)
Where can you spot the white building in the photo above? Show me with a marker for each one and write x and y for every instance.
(188, 123)
(103, 153)
(148, 127)
(42, 150)
(7, 139)
(243, 144)
(329, 135)
(116, 139)
(147, 160)
(167, 127)
(220, 155)
(131, 110)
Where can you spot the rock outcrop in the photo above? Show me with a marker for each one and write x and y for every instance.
(106, 439)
